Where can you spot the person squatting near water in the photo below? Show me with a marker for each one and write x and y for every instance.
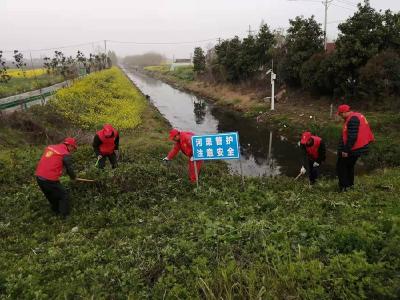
(106, 145)
(354, 142)
(49, 170)
(314, 154)
(183, 142)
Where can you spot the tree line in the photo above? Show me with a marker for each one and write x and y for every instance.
(60, 64)
(144, 60)
(365, 62)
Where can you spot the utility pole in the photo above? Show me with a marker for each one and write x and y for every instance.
(250, 31)
(105, 53)
(326, 21)
(326, 4)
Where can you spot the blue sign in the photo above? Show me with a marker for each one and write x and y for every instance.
(216, 146)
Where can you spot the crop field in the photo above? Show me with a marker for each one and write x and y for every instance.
(33, 80)
(184, 73)
(17, 73)
(142, 231)
(103, 97)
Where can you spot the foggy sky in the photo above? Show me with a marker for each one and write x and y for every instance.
(42, 24)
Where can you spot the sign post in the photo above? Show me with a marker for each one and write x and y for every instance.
(221, 146)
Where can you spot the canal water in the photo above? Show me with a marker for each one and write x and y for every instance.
(264, 152)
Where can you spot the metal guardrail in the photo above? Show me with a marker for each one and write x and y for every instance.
(26, 100)
(41, 95)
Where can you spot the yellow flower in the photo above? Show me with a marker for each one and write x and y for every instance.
(102, 97)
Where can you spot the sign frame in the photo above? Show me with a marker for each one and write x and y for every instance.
(213, 135)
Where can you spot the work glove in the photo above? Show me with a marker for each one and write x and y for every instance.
(303, 170)
(99, 157)
(165, 159)
(191, 159)
(315, 164)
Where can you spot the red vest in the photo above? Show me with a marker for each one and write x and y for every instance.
(184, 145)
(312, 151)
(50, 165)
(107, 143)
(365, 135)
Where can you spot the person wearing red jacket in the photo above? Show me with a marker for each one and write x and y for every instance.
(354, 142)
(105, 145)
(49, 170)
(314, 154)
(183, 142)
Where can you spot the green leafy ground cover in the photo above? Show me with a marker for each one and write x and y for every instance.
(143, 231)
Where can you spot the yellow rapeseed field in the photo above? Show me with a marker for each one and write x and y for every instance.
(17, 73)
(102, 97)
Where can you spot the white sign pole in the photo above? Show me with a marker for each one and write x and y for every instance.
(241, 172)
(273, 76)
(195, 171)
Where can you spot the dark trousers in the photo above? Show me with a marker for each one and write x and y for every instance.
(345, 171)
(56, 194)
(313, 172)
(112, 158)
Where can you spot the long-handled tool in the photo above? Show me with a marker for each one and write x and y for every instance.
(84, 180)
(298, 176)
(97, 162)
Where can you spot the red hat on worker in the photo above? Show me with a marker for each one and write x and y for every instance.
(173, 133)
(70, 141)
(108, 130)
(343, 108)
(305, 137)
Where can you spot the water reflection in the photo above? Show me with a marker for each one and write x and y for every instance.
(199, 109)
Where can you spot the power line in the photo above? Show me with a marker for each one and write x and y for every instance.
(110, 41)
(334, 4)
(348, 3)
(337, 21)
(162, 43)
(54, 48)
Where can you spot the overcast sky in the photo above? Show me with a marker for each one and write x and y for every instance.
(42, 24)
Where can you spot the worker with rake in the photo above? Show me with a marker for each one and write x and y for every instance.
(49, 171)
(105, 145)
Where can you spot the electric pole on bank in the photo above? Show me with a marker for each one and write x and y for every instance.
(326, 5)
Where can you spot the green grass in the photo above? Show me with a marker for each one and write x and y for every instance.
(184, 73)
(145, 232)
(21, 85)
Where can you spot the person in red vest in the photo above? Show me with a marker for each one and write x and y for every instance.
(314, 154)
(49, 170)
(105, 145)
(354, 142)
(183, 142)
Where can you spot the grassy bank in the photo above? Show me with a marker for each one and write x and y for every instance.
(33, 80)
(295, 113)
(143, 232)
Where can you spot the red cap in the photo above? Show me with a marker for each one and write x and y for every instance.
(70, 141)
(108, 130)
(173, 133)
(305, 137)
(343, 108)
